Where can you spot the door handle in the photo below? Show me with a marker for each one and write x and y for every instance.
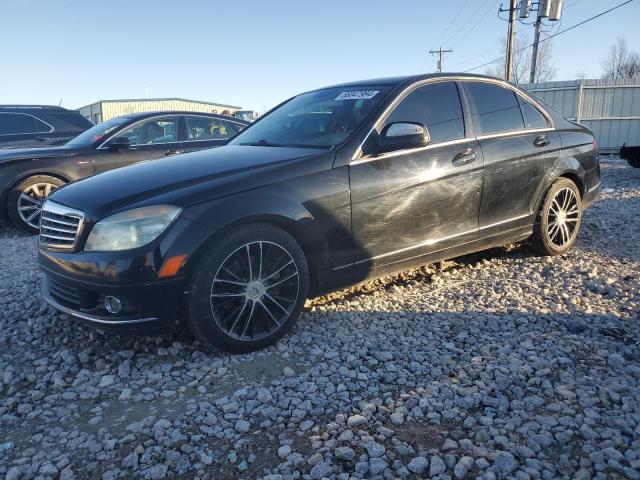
(172, 151)
(464, 157)
(541, 141)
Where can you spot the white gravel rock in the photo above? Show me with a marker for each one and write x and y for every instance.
(418, 465)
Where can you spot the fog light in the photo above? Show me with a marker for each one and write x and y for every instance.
(112, 304)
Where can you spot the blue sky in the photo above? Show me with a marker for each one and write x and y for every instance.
(257, 53)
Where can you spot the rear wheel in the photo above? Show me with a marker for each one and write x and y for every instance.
(26, 198)
(558, 221)
(248, 289)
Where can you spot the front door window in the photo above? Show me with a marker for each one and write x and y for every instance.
(152, 132)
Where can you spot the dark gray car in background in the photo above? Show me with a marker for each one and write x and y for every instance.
(28, 176)
(39, 125)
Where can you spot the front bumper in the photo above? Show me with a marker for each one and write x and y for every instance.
(77, 282)
(147, 308)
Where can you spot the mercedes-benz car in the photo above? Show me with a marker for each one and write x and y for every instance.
(28, 176)
(332, 187)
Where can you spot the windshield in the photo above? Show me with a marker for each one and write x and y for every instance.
(319, 119)
(97, 133)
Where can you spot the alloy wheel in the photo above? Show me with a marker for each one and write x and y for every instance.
(254, 290)
(563, 217)
(30, 202)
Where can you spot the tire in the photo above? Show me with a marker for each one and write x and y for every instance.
(25, 213)
(240, 305)
(635, 163)
(558, 221)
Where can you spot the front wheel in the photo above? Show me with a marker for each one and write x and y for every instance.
(26, 198)
(248, 289)
(558, 221)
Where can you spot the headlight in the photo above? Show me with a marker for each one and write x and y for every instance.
(131, 229)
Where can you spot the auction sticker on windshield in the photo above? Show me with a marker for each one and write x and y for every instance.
(357, 95)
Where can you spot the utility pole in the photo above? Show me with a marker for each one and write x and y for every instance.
(534, 54)
(441, 53)
(511, 39)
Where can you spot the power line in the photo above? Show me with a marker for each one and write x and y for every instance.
(475, 25)
(469, 20)
(450, 23)
(481, 53)
(554, 35)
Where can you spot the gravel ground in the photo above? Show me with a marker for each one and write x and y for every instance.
(495, 365)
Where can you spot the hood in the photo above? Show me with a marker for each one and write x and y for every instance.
(13, 154)
(187, 179)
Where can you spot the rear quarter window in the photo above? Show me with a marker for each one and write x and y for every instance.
(68, 122)
(533, 118)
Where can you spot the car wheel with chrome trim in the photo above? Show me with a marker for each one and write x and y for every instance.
(248, 290)
(558, 222)
(26, 198)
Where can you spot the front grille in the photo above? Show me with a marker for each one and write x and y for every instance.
(59, 226)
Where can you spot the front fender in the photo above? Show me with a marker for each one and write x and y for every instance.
(65, 168)
(314, 209)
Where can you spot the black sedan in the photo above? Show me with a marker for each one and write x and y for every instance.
(330, 188)
(28, 176)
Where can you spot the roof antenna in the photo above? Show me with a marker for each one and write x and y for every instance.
(60, 103)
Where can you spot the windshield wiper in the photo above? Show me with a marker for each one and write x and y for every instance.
(262, 143)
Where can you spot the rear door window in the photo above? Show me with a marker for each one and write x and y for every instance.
(17, 123)
(437, 106)
(209, 128)
(494, 109)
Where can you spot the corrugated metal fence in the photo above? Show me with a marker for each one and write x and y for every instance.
(610, 108)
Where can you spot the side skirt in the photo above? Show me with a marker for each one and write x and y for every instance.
(362, 273)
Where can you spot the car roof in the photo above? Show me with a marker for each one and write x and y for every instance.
(34, 109)
(396, 81)
(140, 115)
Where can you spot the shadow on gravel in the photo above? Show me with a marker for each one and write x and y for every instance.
(9, 231)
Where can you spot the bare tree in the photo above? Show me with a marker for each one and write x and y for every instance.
(522, 61)
(545, 70)
(620, 63)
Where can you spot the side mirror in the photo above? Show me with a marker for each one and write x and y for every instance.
(119, 143)
(401, 135)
